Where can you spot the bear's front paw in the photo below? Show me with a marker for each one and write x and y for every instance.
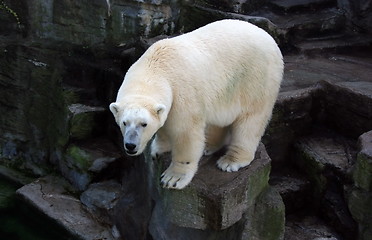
(176, 178)
(227, 165)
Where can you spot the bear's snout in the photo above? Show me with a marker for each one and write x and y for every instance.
(130, 148)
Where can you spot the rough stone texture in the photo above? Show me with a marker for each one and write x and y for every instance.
(349, 107)
(362, 173)
(216, 201)
(93, 23)
(360, 195)
(229, 194)
(52, 196)
(32, 127)
(83, 162)
(266, 221)
(194, 16)
(294, 189)
(309, 228)
(327, 159)
(291, 118)
(101, 198)
(85, 121)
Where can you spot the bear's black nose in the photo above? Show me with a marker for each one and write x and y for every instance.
(130, 146)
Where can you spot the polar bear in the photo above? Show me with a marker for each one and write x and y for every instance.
(196, 89)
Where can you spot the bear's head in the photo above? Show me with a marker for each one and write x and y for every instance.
(138, 123)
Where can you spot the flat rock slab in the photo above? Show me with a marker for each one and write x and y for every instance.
(326, 151)
(302, 72)
(50, 195)
(216, 199)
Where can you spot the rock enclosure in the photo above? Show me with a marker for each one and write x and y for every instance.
(62, 62)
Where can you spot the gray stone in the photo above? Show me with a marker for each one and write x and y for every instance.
(85, 121)
(294, 190)
(324, 152)
(309, 228)
(360, 195)
(349, 106)
(362, 174)
(81, 163)
(50, 195)
(291, 118)
(216, 199)
(101, 198)
(220, 205)
(266, 220)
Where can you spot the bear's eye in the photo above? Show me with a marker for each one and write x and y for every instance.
(124, 123)
(143, 124)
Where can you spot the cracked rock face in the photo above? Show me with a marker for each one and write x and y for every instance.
(51, 196)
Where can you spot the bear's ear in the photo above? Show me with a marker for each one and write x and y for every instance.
(159, 108)
(114, 108)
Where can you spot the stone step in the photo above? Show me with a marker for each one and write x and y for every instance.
(235, 205)
(309, 228)
(293, 188)
(52, 197)
(288, 6)
(334, 43)
(326, 159)
(85, 161)
(86, 121)
(349, 105)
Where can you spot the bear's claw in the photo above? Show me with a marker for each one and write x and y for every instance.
(174, 180)
(230, 166)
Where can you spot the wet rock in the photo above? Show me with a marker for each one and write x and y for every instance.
(52, 196)
(101, 198)
(360, 195)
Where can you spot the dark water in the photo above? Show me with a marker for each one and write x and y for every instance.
(19, 222)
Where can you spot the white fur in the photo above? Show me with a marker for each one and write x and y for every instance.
(225, 75)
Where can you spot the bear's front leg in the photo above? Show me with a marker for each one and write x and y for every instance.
(186, 152)
(160, 145)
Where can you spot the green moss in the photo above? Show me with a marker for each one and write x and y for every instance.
(5, 7)
(78, 158)
(269, 216)
(362, 173)
(313, 168)
(81, 125)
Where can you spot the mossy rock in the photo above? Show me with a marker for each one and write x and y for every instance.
(266, 220)
(215, 199)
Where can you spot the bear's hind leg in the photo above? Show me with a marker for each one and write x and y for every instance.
(216, 137)
(246, 135)
(187, 150)
(160, 144)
